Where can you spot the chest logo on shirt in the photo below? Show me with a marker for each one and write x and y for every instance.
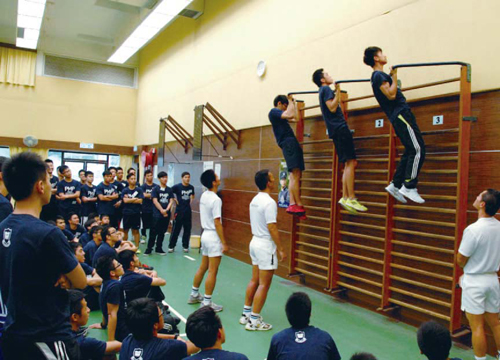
(7, 234)
(164, 198)
(137, 355)
(69, 190)
(186, 194)
(109, 191)
(300, 337)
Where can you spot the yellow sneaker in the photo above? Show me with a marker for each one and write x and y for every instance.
(356, 205)
(344, 203)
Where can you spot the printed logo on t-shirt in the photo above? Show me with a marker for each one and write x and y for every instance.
(137, 354)
(186, 194)
(164, 198)
(300, 337)
(69, 190)
(109, 191)
(7, 233)
(91, 193)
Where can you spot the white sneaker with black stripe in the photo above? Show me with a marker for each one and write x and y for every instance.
(412, 194)
(244, 319)
(258, 325)
(394, 191)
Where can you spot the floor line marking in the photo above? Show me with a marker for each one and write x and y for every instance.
(176, 313)
(190, 258)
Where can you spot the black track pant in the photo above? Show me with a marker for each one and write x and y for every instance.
(406, 128)
(147, 222)
(17, 349)
(157, 232)
(182, 221)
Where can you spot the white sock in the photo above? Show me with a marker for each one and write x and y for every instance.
(195, 291)
(247, 310)
(207, 299)
(254, 317)
(480, 358)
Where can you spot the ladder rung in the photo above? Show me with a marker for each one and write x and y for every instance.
(369, 137)
(423, 247)
(451, 171)
(426, 209)
(362, 236)
(310, 273)
(318, 247)
(438, 132)
(374, 182)
(419, 309)
(319, 218)
(437, 184)
(434, 145)
(316, 237)
(314, 227)
(325, 258)
(423, 234)
(366, 226)
(371, 148)
(317, 208)
(317, 189)
(372, 171)
(441, 197)
(327, 151)
(421, 259)
(421, 284)
(316, 180)
(316, 198)
(368, 270)
(374, 204)
(318, 170)
(355, 288)
(422, 272)
(441, 158)
(420, 297)
(425, 222)
(357, 278)
(312, 264)
(372, 159)
(374, 193)
(310, 142)
(374, 216)
(363, 247)
(364, 258)
(318, 161)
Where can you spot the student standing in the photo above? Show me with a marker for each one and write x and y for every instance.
(116, 219)
(132, 197)
(35, 258)
(339, 132)
(392, 101)
(89, 197)
(213, 243)
(147, 204)
(50, 211)
(82, 177)
(108, 196)
(68, 191)
(184, 192)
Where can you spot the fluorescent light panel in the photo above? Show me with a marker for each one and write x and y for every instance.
(151, 25)
(29, 17)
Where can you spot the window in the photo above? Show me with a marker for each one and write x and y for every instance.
(77, 161)
(4, 151)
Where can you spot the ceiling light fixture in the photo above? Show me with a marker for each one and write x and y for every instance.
(163, 14)
(29, 21)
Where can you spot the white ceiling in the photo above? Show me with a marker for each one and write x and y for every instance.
(81, 29)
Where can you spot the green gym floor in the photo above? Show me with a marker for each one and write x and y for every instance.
(353, 328)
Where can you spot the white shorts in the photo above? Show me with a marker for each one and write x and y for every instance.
(211, 245)
(263, 253)
(480, 293)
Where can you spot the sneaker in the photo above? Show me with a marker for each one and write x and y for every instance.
(346, 206)
(195, 299)
(147, 267)
(295, 209)
(138, 251)
(186, 250)
(244, 319)
(394, 191)
(354, 203)
(303, 217)
(412, 194)
(170, 250)
(259, 325)
(160, 252)
(214, 306)
(143, 239)
(148, 252)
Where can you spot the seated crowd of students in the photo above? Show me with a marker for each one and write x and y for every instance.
(50, 273)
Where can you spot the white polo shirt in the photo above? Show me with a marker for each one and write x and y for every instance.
(210, 209)
(263, 211)
(481, 244)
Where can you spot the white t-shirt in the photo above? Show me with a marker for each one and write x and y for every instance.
(210, 209)
(481, 244)
(263, 211)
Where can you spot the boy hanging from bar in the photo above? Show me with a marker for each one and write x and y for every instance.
(393, 102)
(339, 132)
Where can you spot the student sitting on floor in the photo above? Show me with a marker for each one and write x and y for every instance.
(92, 246)
(74, 226)
(145, 319)
(85, 238)
(434, 341)
(204, 329)
(61, 224)
(363, 356)
(301, 341)
(90, 348)
(94, 281)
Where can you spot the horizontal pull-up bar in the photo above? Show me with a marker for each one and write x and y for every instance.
(336, 82)
(445, 63)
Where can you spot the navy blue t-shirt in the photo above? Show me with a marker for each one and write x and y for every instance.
(183, 194)
(68, 188)
(87, 268)
(79, 231)
(391, 107)
(333, 120)
(131, 209)
(52, 205)
(5, 208)
(90, 250)
(106, 207)
(90, 348)
(135, 285)
(163, 195)
(91, 206)
(303, 344)
(68, 234)
(216, 354)
(84, 239)
(112, 293)
(281, 128)
(118, 186)
(33, 255)
(147, 204)
(103, 250)
(153, 349)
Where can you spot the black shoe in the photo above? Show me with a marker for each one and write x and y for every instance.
(160, 252)
(148, 252)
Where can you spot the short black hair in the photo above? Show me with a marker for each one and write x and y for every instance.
(142, 314)
(202, 327)
(60, 217)
(298, 310)
(93, 215)
(434, 340)
(280, 99)
(125, 258)
(130, 169)
(22, 172)
(162, 174)
(63, 168)
(130, 175)
(207, 178)
(89, 222)
(370, 53)
(317, 76)
(103, 267)
(103, 215)
(48, 161)
(105, 231)
(3, 159)
(87, 173)
(492, 201)
(147, 172)
(112, 168)
(94, 230)
(184, 174)
(363, 356)
(70, 215)
(74, 246)
(106, 172)
(51, 222)
(59, 169)
(262, 178)
(119, 168)
(81, 171)
(75, 301)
